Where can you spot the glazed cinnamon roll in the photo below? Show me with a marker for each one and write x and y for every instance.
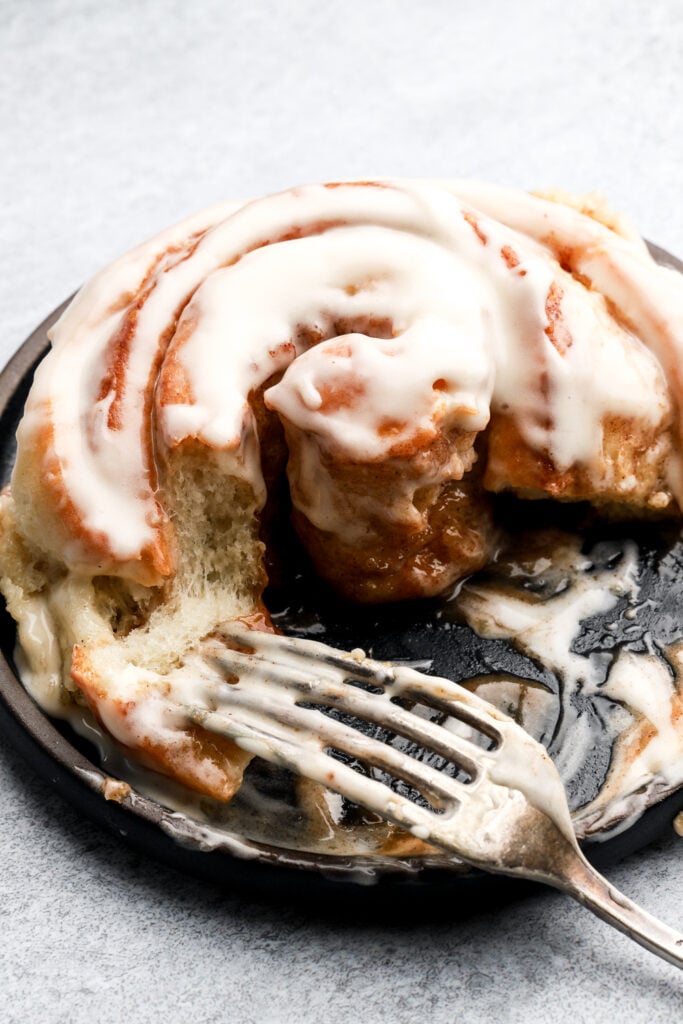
(402, 350)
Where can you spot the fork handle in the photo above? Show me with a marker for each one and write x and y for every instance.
(589, 887)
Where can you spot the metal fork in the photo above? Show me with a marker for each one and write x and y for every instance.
(507, 813)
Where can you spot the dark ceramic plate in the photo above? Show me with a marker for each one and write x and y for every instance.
(411, 632)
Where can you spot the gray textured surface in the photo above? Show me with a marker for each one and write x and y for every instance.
(116, 119)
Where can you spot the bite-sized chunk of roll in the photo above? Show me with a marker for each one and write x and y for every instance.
(449, 536)
(145, 712)
(382, 464)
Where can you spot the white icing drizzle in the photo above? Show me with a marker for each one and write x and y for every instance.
(410, 282)
(457, 275)
(38, 656)
(641, 683)
(649, 757)
(647, 296)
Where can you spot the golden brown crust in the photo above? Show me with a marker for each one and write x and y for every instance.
(632, 475)
(209, 764)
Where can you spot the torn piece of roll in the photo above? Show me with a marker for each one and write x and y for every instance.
(401, 349)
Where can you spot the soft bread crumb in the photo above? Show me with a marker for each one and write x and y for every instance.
(113, 624)
(113, 789)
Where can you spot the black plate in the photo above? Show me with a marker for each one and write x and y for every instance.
(69, 764)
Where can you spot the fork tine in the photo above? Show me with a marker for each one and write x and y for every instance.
(370, 707)
(362, 669)
(319, 766)
(272, 669)
(443, 695)
(451, 699)
(242, 708)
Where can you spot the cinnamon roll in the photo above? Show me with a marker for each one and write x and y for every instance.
(401, 350)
